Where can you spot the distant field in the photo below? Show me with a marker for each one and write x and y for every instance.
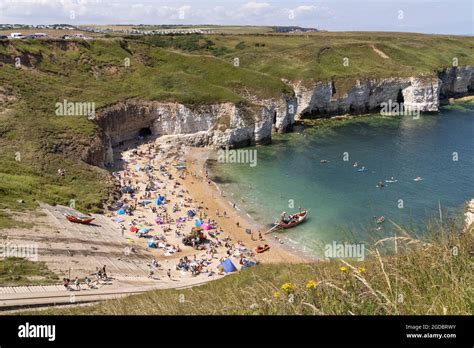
(191, 69)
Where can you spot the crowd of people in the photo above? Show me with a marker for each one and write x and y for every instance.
(155, 206)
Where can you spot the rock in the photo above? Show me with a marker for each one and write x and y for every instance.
(423, 93)
(228, 124)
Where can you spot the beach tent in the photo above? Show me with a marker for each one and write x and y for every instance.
(134, 229)
(160, 200)
(151, 244)
(228, 266)
(248, 264)
(191, 213)
(127, 189)
(121, 211)
(197, 222)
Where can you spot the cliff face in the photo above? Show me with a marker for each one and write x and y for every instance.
(227, 124)
(220, 125)
(456, 82)
(422, 93)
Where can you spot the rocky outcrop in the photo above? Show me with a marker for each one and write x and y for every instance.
(282, 111)
(227, 124)
(219, 125)
(456, 82)
(469, 216)
(418, 93)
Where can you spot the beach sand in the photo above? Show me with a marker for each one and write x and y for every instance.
(213, 198)
(188, 188)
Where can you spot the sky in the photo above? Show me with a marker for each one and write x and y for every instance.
(424, 16)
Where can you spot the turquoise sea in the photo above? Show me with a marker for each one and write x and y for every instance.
(343, 202)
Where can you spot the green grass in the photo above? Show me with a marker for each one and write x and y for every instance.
(431, 276)
(189, 69)
(18, 271)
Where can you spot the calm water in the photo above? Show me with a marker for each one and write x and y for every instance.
(342, 201)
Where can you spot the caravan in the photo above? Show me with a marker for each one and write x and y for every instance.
(16, 36)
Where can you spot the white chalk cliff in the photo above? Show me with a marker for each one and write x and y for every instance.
(227, 124)
(422, 93)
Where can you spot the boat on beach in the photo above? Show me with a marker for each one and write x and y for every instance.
(79, 220)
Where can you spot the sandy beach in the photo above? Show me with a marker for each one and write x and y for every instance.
(205, 190)
(150, 169)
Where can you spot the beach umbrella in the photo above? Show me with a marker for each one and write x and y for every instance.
(206, 227)
(138, 168)
(197, 222)
(191, 213)
(121, 211)
(133, 229)
(151, 244)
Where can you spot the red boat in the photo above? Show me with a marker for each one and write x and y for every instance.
(79, 220)
(294, 220)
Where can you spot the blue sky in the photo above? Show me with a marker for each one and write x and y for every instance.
(427, 16)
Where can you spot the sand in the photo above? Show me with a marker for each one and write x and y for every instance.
(76, 250)
(207, 191)
(190, 185)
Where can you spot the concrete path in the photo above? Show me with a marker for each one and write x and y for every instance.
(19, 297)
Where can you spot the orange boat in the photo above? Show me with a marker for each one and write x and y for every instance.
(79, 220)
(294, 220)
(261, 249)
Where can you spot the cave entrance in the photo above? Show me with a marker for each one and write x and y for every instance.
(400, 98)
(144, 132)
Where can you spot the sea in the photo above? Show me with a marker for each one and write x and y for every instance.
(319, 168)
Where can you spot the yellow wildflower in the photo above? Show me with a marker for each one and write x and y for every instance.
(288, 287)
(361, 269)
(310, 284)
(276, 295)
(343, 268)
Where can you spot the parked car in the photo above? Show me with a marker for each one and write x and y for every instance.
(3, 37)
